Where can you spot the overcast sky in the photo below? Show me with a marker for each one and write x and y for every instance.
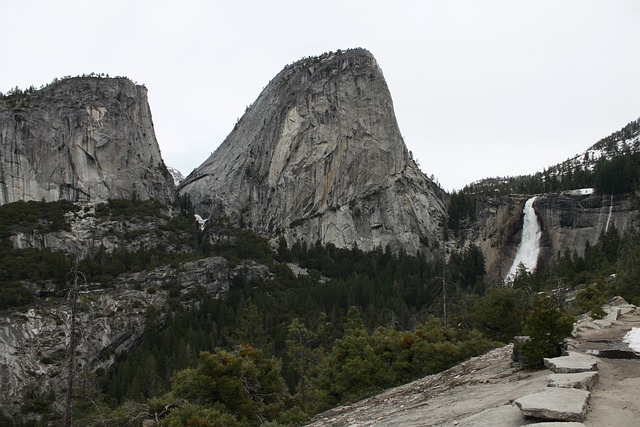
(481, 88)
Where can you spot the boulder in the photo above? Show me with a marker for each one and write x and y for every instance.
(556, 404)
(517, 355)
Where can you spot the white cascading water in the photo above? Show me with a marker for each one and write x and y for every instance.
(529, 247)
(606, 227)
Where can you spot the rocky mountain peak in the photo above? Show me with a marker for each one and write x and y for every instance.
(320, 156)
(80, 139)
(176, 175)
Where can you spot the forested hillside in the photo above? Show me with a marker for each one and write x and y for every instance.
(346, 325)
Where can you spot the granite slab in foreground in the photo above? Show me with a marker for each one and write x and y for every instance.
(555, 404)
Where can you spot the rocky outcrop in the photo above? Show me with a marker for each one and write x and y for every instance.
(34, 344)
(176, 175)
(90, 232)
(319, 157)
(81, 139)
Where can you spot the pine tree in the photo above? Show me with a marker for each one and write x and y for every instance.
(547, 325)
(306, 356)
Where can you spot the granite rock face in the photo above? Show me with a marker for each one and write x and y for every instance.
(81, 139)
(319, 156)
(568, 220)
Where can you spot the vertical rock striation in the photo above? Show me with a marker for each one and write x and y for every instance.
(571, 219)
(81, 139)
(319, 156)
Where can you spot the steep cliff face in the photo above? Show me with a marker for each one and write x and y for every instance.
(568, 220)
(319, 155)
(81, 139)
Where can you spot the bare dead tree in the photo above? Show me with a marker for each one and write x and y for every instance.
(73, 342)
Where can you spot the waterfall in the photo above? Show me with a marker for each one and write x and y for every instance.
(606, 228)
(598, 226)
(529, 247)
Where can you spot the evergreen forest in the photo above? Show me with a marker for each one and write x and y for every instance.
(275, 351)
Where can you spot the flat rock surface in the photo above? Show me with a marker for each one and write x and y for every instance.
(560, 424)
(476, 393)
(574, 362)
(581, 380)
(560, 404)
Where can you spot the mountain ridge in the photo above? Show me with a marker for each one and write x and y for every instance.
(80, 139)
(622, 142)
(319, 157)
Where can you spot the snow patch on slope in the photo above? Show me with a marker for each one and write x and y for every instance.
(633, 339)
(176, 174)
